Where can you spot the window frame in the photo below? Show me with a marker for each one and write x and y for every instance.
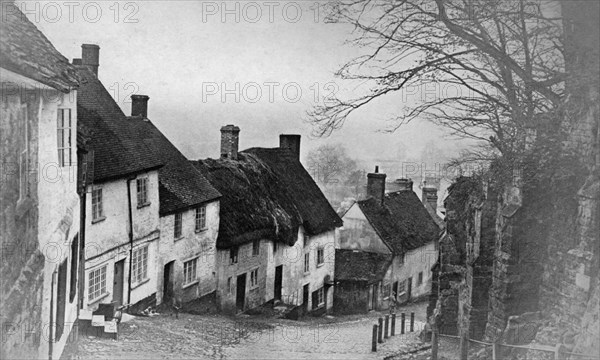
(97, 204)
(144, 181)
(230, 285)
(320, 256)
(307, 262)
(233, 255)
(64, 133)
(420, 278)
(136, 279)
(254, 278)
(193, 275)
(320, 297)
(178, 225)
(99, 280)
(255, 247)
(200, 218)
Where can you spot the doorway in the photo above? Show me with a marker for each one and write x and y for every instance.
(240, 297)
(395, 290)
(278, 282)
(168, 283)
(305, 290)
(118, 282)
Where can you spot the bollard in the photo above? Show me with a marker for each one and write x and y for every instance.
(374, 340)
(412, 321)
(380, 333)
(387, 323)
(402, 323)
(434, 345)
(393, 324)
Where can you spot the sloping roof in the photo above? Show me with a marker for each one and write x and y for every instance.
(352, 265)
(119, 150)
(402, 222)
(181, 185)
(26, 51)
(267, 193)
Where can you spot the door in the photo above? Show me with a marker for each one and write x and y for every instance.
(240, 295)
(118, 282)
(278, 282)
(371, 290)
(305, 289)
(395, 290)
(409, 289)
(168, 283)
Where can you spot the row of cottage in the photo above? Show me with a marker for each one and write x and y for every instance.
(101, 208)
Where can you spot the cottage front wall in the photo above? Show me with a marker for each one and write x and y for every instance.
(358, 234)
(190, 245)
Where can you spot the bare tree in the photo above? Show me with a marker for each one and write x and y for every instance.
(330, 164)
(496, 64)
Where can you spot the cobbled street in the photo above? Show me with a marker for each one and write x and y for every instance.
(250, 337)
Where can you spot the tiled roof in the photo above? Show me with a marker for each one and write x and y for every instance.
(181, 184)
(402, 222)
(352, 265)
(267, 193)
(26, 51)
(119, 150)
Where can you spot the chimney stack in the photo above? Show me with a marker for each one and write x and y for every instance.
(229, 142)
(139, 105)
(76, 61)
(376, 186)
(292, 142)
(429, 196)
(90, 57)
(404, 184)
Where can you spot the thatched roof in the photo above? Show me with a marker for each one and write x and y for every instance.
(26, 51)
(402, 222)
(353, 265)
(266, 193)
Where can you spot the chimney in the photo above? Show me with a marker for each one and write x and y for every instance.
(291, 142)
(229, 142)
(376, 186)
(90, 57)
(404, 184)
(139, 105)
(429, 196)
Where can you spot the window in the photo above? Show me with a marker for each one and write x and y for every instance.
(230, 285)
(24, 156)
(189, 271)
(233, 255)
(97, 283)
(177, 225)
(420, 279)
(401, 288)
(139, 265)
(274, 247)
(255, 247)
(64, 137)
(306, 240)
(200, 218)
(306, 262)
(97, 209)
(74, 268)
(254, 278)
(318, 298)
(386, 291)
(320, 256)
(142, 191)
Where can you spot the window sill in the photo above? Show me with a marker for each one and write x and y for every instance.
(144, 205)
(306, 273)
(100, 219)
(320, 265)
(195, 282)
(198, 231)
(93, 302)
(175, 239)
(137, 285)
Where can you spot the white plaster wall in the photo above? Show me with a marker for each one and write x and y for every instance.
(358, 234)
(58, 220)
(415, 261)
(192, 244)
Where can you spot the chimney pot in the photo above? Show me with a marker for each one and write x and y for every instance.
(90, 57)
(404, 184)
(376, 186)
(139, 105)
(229, 142)
(292, 142)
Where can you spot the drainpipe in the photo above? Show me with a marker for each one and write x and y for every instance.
(130, 238)
(51, 323)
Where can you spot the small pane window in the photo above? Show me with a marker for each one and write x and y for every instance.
(97, 207)
(64, 137)
(320, 256)
(255, 247)
(139, 265)
(307, 262)
(254, 278)
(420, 279)
(201, 218)
(233, 255)
(190, 271)
(96, 283)
(177, 226)
(142, 191)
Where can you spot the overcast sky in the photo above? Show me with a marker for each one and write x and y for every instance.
(185, 55)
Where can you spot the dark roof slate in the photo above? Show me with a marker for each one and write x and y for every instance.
(26, 51)
(352, 265)
(181, 185)
(402, 222)
(119, 150)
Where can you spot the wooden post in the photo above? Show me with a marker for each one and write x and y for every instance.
(412, 321)
(374, 339)
(402, 323)
(496, 354)
(387, 323)
(464, 345)
(393, 324)
(559, 352)
(380, 333)
(434, 344)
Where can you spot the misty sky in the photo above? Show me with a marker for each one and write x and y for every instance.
(185, 54)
